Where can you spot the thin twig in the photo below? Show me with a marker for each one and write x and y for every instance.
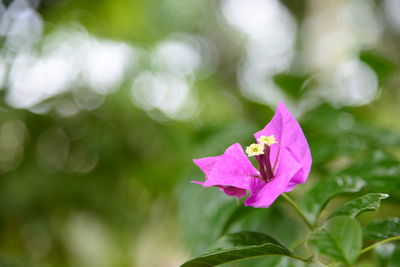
(387, 240)
(299, 211)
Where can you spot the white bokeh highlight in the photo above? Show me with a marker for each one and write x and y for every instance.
(356, 84)
(391, 10)
(20, 24)
(333, 36)
(164, 92)
(70, 58)
(270, 32)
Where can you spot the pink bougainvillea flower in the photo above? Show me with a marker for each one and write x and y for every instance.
(283, 156)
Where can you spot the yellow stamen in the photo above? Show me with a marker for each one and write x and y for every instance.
(255, 150)
(268, 140)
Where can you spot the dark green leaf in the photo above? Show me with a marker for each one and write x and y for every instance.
(383, 229)
(381, 65)
(238, 246)
(339, 239)
(293, 85)
(368, 202)
(318, 196)
(270, 261)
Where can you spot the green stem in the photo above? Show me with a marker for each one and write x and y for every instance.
(380, 243)
(301, 259)
(299, 211)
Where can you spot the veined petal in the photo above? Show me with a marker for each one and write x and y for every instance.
(231, 171)
(289, 136)
(263, 194)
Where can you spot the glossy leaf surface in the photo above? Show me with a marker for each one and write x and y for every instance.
(239, 246)
(318, 196)
(353, 208)
(340, 239)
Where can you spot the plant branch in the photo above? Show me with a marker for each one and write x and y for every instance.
(387, 240)
(299, 211)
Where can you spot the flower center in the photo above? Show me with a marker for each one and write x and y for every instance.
(268, 140)
(255, 150)
(261, 151)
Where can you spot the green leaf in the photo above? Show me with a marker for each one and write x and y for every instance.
(353, 208)
(318, 196)
(238, 246)
(293, 85)
(383, 229)
(382, 66)
(339, 238)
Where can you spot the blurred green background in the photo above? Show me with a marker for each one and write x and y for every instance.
(103, 104)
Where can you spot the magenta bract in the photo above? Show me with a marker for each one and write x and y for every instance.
(282, 166)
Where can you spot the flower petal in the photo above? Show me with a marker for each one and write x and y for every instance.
(264, 194)
(229, 190)
(205, 164)
(289, 136)
(231, 171)
(233, 191)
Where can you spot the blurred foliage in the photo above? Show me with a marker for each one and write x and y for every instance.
(101, 178)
